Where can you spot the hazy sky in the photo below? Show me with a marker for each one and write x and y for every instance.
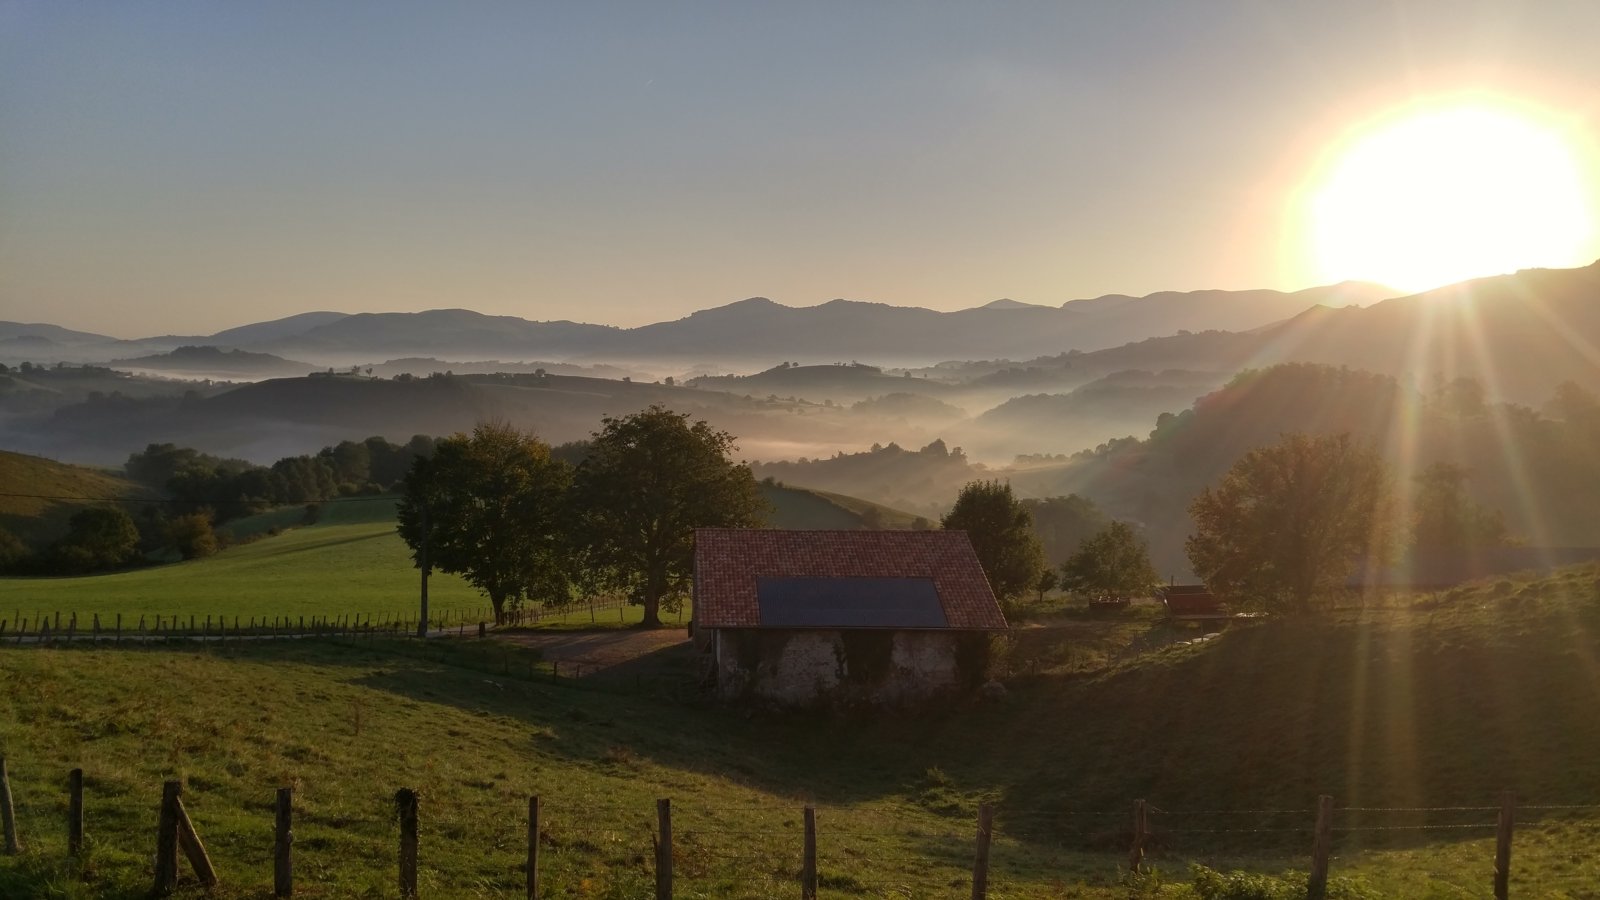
(183, 167)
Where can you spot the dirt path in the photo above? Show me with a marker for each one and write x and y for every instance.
(597, 651)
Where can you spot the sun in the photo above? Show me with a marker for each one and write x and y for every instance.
(1447, 192)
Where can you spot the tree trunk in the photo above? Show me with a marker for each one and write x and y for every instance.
(499, 604)
(655, 584)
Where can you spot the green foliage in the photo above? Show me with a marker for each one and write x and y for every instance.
(649, 480)
(490, 507)
(99, 537)
(1063, 523)
(1048, 581)
(1001, 531)
(191, 535)
(12, 550)
(233, 488)
(1209, 884)
(1113, 563)
(1291, 521)
(1449, 522)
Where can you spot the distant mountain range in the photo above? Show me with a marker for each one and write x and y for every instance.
(1518, 335)
(749, 333)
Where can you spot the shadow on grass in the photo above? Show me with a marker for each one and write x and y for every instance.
(1381, 714)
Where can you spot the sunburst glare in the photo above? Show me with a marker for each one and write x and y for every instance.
(1441, 194)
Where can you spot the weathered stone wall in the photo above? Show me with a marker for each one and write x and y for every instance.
(801, 668)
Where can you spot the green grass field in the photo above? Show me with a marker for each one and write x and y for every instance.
(323, 570)
(349, 562)
(1439, 701)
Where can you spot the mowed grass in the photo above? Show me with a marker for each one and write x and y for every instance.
(328, 569)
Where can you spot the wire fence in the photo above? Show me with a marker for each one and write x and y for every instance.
(334, 840)
(45, 627)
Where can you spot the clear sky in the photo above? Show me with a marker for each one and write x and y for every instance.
(182, 167)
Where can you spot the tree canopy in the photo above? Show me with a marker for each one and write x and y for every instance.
(1292, 521)
(1063, 524)
(1114, 562)
(98, 537)
(1447, 520)
(648, 481)
(491, 507)
(1001, 531)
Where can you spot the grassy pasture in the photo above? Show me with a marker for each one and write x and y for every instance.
(1439, 701)
(349, 561)
(330, 569)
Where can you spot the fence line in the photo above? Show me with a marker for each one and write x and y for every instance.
(691, 844)
(52, 628)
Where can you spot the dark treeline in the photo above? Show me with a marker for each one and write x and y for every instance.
(197, 491)
(231, 488)
(1534, 472)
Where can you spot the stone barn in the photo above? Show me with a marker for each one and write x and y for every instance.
(801, 617)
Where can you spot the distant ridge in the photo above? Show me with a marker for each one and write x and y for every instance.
(746, 334)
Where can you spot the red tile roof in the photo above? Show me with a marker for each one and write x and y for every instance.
(727, 562)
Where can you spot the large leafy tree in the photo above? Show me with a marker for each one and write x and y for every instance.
(1292, 521)
(1447, 520)
(1001, 531)
(99, 537)
(491, 508)
(1063, 524)
(1115, 562)
(647, 482)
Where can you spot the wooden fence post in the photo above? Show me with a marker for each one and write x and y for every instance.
(405, 801)
(808, 862)
(533, 847)
(189, 842)
(980, 863)
(663, 850)
(119, 628)
(483, 629)
(75, 812)
(8, 813)
(1141, 831)
(1322, 845)
(1502, 849)
(283, 844)
(167, 841)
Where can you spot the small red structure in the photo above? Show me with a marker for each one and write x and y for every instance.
(1192, 603)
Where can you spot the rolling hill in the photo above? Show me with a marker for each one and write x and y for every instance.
(212, 362)
(38, 495)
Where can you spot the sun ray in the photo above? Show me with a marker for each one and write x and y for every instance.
(1440, 192)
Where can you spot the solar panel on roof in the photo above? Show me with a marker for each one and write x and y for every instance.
(849, 603)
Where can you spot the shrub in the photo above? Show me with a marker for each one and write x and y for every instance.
(1209, 884)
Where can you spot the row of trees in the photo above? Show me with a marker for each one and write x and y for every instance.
(1293, 522)
(1288, 524)
(235, 487)
(518, 522)
(1110, 561)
